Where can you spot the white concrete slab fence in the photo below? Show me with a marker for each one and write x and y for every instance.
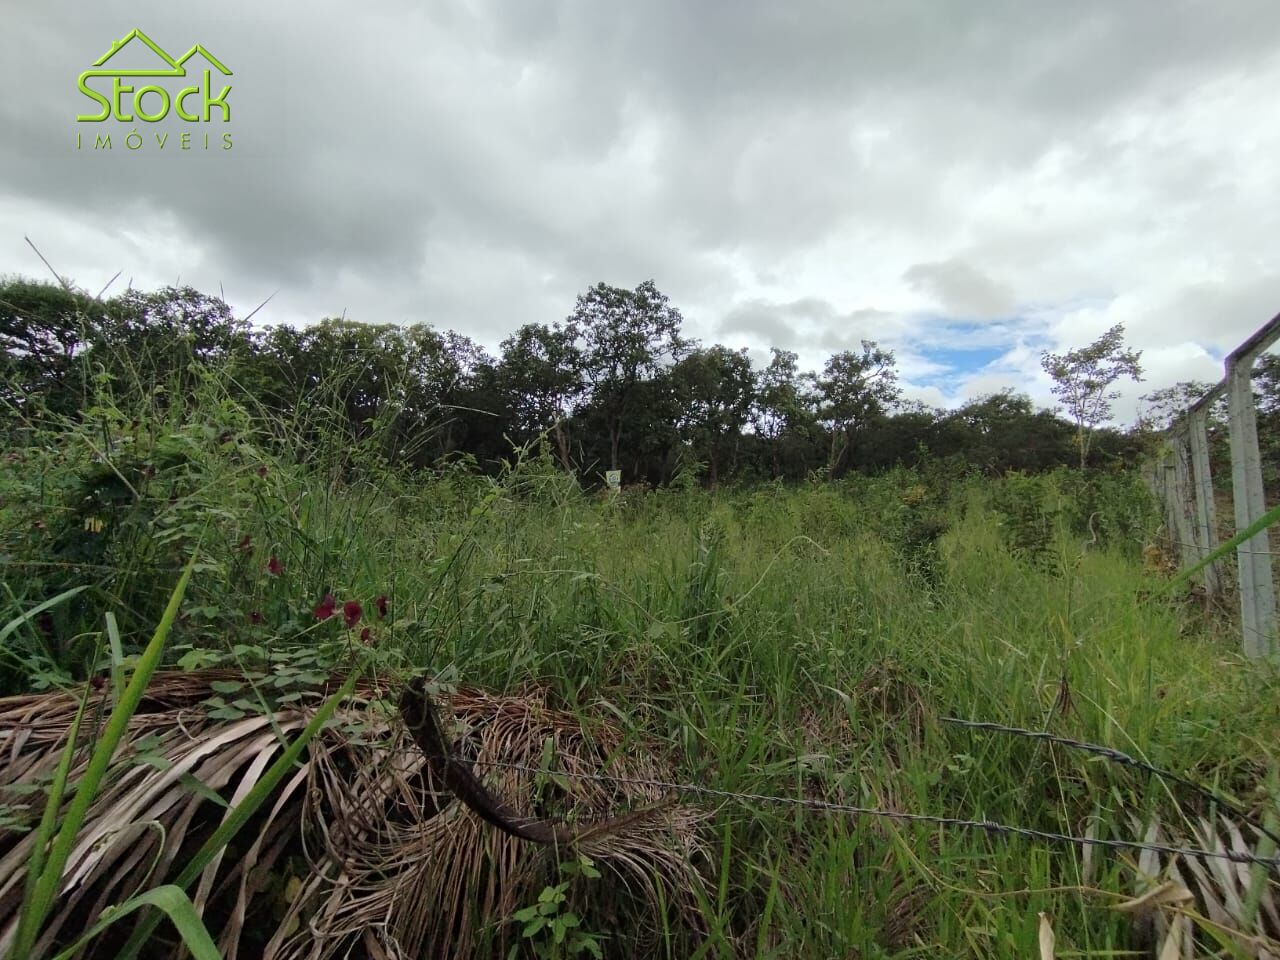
(1183, 480)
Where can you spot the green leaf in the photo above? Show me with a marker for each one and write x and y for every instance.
(197, 659)
(159, 761)
(532, 928)
(44, 834)
(35, 611)
(117, 656)
(180, 910)
(227, 686)
(243, 811)
(1248, 533)
(198, 786)
(36, 906)
(147, 744)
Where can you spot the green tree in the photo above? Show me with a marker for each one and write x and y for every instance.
(1083, 380)
(540, 371)
(341, 379)
(42, 332)
(904, 438)
(713, 389)
(627, 339)
(853, 387)
(1003, 431)
(1160, 409)
(783, 414)
(1266, 383)
(148, 342)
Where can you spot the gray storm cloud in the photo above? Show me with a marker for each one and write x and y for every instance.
(477, 166)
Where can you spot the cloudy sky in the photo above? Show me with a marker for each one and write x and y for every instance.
(967, 183)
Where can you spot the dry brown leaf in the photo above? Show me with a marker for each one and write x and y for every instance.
(396, 867)
(1168, 893)
(1179, 936)
(1047, 938)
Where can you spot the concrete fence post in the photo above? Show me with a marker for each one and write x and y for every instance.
(1182, 477)
(1181, 506)
(1257, 589)
(1206, 514)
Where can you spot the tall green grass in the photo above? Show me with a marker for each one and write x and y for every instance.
(802, 642)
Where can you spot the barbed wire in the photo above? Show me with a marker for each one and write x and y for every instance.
(827, 806)
(1237, 551)
(1120, 757)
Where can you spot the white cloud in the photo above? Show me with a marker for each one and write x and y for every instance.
(792, 179)
(960, 289)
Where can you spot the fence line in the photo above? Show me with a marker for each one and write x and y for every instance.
(1110, 754)
(1196, 546)
(828, 806)
(1182, 478)
(1121, 758)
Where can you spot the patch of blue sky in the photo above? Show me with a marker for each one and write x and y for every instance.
(961, 361)
(958, 348)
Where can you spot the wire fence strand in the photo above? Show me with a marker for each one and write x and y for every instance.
(826, 806)
(1118, 756)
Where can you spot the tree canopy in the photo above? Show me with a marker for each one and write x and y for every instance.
(615, 385)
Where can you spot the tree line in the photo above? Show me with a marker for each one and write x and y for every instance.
(615, 385)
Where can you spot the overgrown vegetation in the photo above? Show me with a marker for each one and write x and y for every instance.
(801, 641)
(615, 385)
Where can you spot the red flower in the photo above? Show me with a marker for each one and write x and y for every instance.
(365, 634)
(351, 611)
(326, 608)
(245, 545)
(382, 606)
(274, 566)
(255, 617)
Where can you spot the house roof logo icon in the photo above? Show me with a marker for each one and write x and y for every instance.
(170, 67)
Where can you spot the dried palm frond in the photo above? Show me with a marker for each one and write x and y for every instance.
(358, 851)
(447, 879)
(1235, 902)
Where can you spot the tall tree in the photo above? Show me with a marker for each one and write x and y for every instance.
(781, 405)
(1084, 380)
(42, 329)
(714, 389)
(627, 337)
(1003, 431)
(541, 372)
(457, 373)
(341, 378)
(1266, 383)
(1161, 408)
(150, 339)
(853, 387)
